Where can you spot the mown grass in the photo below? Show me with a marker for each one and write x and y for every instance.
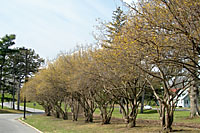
(54, 125)
(8, 110)
(146, 122)
(7, 97)
(179, 116)
(31, 105)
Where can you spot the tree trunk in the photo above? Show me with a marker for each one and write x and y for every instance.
(75, 110)
(13, 94)
(125, 112)
(57, 114)
(106, 114)
(168, 120)
(63, 113)
(2, 99)
(13, 100)
(89, 108)
(47, 111)
(18, 95)
(142, 102)
(132, 122)
(194, 107)
(166, 117)
(65, 110)
(106, 120)
(162, 116)
(88, 117)
(194, 91)
(55, 110)
(1, 73)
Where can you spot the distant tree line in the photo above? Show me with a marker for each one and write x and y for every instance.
(155, 46)
(15, 64)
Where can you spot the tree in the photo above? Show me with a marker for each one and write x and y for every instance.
(32, 60)
(6, 42)
(23, 63)
(113, 28)
(155, 47)
(177, 23)
(121, 80)
(82, 90)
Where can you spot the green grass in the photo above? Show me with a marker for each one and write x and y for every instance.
(7, 97)
(147, 115)
(144, 123)
(179, 116)
(54, 125)
(31, 105)
(8, 110)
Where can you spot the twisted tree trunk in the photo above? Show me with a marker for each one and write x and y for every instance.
(194, 106)
(106, 113)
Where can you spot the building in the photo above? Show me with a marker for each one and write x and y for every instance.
(184, 99)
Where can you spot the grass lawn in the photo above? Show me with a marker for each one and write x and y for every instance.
(146, 122)
(51, 124)
(179, 116)
(31, 105)
(7, 97)
(7, 110)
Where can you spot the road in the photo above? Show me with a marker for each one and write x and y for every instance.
(9, 123)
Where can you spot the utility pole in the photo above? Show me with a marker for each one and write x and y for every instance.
(26, 79)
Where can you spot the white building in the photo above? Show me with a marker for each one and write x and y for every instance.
(184, 100)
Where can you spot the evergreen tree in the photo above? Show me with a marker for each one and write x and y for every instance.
(5, 43)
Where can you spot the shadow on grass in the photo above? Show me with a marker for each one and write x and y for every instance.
(182, 130)
(4, 111)
(10, 111)
(150, 111)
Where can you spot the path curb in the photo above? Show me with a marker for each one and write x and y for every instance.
(29, 125)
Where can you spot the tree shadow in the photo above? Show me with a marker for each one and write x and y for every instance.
(149, 111)
(4, 111)
(182, 130)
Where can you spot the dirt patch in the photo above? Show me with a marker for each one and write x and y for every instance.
(190, 125)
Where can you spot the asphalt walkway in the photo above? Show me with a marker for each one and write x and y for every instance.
(9, 123)
(32, 110)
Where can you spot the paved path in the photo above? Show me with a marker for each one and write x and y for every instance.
(37, 111)
(10, 124)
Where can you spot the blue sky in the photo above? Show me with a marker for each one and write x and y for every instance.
(52, 26)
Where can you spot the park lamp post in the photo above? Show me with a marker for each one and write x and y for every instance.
(26, 79)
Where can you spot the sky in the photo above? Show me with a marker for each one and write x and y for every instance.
(53, 26)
